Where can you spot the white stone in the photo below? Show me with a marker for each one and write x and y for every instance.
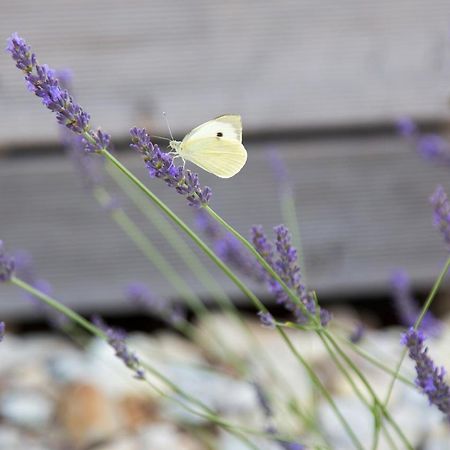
(25, 408)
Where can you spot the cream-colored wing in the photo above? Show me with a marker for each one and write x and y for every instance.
(228, 127)
(222, 157)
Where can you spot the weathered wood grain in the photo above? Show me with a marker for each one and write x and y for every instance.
(362, 205)
(283, 65)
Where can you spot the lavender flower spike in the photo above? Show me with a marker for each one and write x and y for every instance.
(6, 264)
(430, 379)
(406, 127)
(116, 339)
(227, 247)
(139, 294)
(406, 306)
(266, 319)
(285, 263)
(42, 81)
(441, 206)
(160, 165)
(2, 331)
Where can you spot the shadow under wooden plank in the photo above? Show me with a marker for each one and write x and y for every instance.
(362, 204)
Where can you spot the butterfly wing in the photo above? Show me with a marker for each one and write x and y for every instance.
(222, 157)
(229, 126)
(216, 146)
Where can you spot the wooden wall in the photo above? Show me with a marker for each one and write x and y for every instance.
(288, 67)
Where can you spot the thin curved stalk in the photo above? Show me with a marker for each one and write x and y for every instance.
(437, 284)
(314, 320)
(192, 262)
(207, 413)
(244, 289)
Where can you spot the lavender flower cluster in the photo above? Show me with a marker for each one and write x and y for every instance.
(7, 264)
(139, 294)
(41, 80)
(430, 379)
(228, 247)
(441, 216)
(116, 339)
(406, 306)
(89, 168)
(430, 146)
(160, 165)
(285, 262)
(267, 410)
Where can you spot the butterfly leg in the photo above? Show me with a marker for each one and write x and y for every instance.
(173, 159)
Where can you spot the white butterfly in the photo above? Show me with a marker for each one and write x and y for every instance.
(215, 146)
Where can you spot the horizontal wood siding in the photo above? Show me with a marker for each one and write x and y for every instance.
(362, 204)
(282, 65)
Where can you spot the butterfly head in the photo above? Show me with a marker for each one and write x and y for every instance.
(174, 145)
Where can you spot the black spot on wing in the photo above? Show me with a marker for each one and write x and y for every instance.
(219, 134)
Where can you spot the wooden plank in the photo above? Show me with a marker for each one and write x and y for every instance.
(362, 204)
(282, 65)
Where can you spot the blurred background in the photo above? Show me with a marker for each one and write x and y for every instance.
(319, 85)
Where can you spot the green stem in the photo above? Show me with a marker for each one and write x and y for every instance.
(273, 274)
(187, 230)
(190, 259)
(172, 237)
(88, 326)
(374, 361)
(244, 289)
(314, 320)
(322, 389)
(159, 261)
(289, 214)
(58, 307)
(437, 284)
(145, 245)
(378, 405)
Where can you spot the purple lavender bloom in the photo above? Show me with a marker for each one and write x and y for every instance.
(208, 226)
(227, 247)
(231, 251)
(266, 319)
(406, 306)
(116, 339)
(160, 165)
(441, 217)
(2, 331)
(285, 263)
(430, 146)
(263, 246)
(357, 334)
(285, 445)
(41, 80)
(89, 168)
(430, 379)
(139, 294)
(7, 264)
(278, 165)
(25, 271)
(266, 408)
(263, 400)
(406, 127)
(434, 148)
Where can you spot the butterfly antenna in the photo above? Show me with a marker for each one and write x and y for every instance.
(160, 137)
(168, 126)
